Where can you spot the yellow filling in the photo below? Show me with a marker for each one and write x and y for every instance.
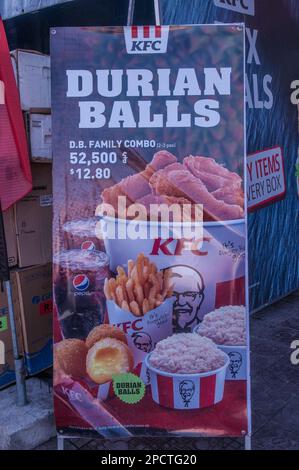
(107, 361)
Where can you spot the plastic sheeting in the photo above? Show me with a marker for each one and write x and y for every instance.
(11, 8)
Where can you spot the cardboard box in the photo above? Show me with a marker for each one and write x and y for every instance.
(7, 372)
(32, 287)
(10, 236)
(40, 131)
(33, 219)
(32, 71)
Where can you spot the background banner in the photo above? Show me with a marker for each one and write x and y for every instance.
(150, 278)
(272, 35)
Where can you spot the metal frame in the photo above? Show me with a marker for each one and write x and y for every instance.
(60, 442)
(19, 362)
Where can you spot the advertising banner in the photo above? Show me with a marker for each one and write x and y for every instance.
(150, 231)
(271, 81)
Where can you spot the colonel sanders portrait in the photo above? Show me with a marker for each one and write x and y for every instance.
(186, 389)
(235, 363)
(142, 341)
(188, 293)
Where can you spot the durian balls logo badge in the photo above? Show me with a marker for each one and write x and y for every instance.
(129, 388)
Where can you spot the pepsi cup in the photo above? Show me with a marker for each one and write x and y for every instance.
(81, 234)
(79, 277)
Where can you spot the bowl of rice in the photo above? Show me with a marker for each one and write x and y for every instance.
(226, 327)
(187, 371)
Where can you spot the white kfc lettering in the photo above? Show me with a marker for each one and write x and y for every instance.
(246, 7)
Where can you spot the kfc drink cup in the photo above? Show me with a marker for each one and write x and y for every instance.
(81, 234)
(187, 391)
(79, 277)
(144, 332)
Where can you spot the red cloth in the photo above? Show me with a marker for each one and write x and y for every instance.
(15, 173)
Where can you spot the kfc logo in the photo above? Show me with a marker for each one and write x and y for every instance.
(146, 39)
(142, 341)
(135, 325)
(235, 363)
(186, 389)
(245, 7)
(171, 247)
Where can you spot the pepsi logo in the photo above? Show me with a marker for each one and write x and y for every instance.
(81, 282)
(88, 245)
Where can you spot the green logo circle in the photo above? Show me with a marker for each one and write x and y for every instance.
(129, 388)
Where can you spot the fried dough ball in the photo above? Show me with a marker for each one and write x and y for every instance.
(105, 331)
(106, 358)
(70, 357)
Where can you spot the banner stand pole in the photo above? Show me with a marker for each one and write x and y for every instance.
(131, 9)
(158, 14)
(248, 442)
(19, 362)
(5, 278)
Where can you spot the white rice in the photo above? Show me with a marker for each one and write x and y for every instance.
(187, 353)
(225, 326)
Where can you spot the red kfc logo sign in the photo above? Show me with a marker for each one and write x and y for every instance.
(146, 39)
(169, 248)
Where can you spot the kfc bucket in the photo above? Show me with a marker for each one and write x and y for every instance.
(183, 390)
(226, 326)
(237, 368)
(208, 272)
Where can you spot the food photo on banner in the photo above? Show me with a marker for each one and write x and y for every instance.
(150, 231)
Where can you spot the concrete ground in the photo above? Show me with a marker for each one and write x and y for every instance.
(275, 383)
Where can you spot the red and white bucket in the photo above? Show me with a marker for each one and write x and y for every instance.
(211, 267)
(237, 368)
(187, 391)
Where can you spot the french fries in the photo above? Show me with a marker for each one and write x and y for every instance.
(142, 289)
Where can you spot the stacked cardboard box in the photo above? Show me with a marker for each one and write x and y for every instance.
(28, 228)
(32, 72)
(32, 293)
(28, 225)
(7, 373)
